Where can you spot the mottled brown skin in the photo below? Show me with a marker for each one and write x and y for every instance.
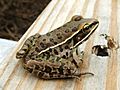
(51, 55)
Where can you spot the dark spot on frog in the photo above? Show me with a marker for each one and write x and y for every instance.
(30, 70)
(48, 34)
(42, 45)
(55, 42)
(60, 70)
(47, 69)
(33, 54)
(66, 53)
(67, 30)
(64, 56)
(55, 51)
(37, 49)
(59, 37)
(40, 74)
(66, 47)
(29, 41)
(37, 57)
(60, 48)
(47, 52)
(51, 39)
(74, 29)
(36, 67)
(58, 34)
(50, 50)
(44, 39)
(69, 71)
(69, 41)
(42, 55)
(33, 44)
(73, 61)
(39, 36)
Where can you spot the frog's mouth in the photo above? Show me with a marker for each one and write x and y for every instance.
(84, 34)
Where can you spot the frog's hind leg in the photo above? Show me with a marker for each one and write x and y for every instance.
(47, 69)
(83, 74)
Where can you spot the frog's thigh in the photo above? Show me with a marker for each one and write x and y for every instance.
(48, 70)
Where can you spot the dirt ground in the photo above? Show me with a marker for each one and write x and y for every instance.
(16, 16)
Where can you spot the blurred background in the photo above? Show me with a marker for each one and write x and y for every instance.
(16, 16)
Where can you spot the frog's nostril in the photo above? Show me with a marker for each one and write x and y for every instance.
(96, 22)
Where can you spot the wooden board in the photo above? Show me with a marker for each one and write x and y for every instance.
(6, 46)
(106, 69)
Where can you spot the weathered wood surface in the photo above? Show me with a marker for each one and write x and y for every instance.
(6, 46)
(106, 69)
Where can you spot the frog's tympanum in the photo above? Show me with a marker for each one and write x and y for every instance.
(55, 54)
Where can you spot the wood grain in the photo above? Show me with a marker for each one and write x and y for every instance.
(106, 69)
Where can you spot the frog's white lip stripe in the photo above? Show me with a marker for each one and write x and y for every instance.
(70, 38)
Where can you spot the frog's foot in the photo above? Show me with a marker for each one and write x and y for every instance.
(78, 57)
(83, 74)
(86, 73)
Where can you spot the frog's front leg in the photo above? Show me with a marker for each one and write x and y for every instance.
(77, 56)
(78, 59)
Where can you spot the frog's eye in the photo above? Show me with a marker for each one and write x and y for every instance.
(86, 26)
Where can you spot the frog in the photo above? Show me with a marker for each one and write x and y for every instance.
(55, 55)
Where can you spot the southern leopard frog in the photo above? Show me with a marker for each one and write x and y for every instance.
(55, 55)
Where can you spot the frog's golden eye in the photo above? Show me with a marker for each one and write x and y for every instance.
(86, 26)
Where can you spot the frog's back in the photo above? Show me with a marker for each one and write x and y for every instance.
(58, 35)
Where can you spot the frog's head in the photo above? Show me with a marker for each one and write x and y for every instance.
(86, 26)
